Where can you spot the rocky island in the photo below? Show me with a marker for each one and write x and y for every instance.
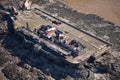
(48, 40)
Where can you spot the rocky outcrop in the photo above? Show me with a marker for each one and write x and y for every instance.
(107, 65)
(47, 65)
(20, 60)
(41, 2)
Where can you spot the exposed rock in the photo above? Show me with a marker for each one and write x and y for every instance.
(24, 61)
(13, 72)
(115, 76)
(41, 2)
(3, 56)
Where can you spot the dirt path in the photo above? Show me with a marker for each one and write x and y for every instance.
(108, 9)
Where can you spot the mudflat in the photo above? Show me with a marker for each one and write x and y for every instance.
(108, 9)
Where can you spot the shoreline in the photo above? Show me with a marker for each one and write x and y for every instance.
(92, 7)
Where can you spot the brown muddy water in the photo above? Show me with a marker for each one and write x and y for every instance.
(108, 9)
